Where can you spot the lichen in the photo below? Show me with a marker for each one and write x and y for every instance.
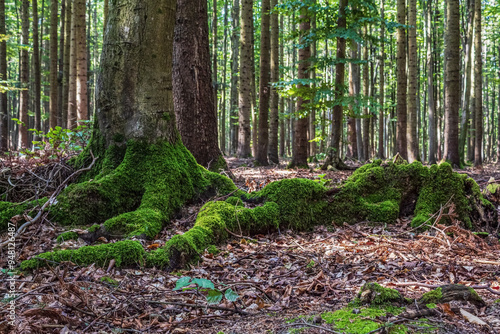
(70, 235)
(125, 253)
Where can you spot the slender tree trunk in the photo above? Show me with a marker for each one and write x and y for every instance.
(498, 118)
(299, 158)
(81, 61)
(366, 93)
(24, 95)
(106, 14)
(66, 65)
(72, 115)
(194, 107)
(4, 111)
(53, 64)
(312, 112)
(413, 153)
(235, 55)
(402, 143)
(215, 54)
(37, 76)
(223, 98)
(352, 146)
(60, 72)
(275, 72)
(246, 68)
(431, 106)
(381, 123)
(334, 158)
(282, 99)
(264, 85)
(478, 85)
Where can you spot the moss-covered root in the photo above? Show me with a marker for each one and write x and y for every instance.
(447, 293)
(9, 210)
(212, 225)
(125, 253)
(136, 198)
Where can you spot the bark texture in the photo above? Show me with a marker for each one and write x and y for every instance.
(478, 85)
(275, 72)
(413, 152)
(381, 121)
(192, 84)
(81, 61)
(401, 139)
(53, 108)
(23, 103)
(4, 117)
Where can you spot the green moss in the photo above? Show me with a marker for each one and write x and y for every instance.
(118, 138)
(213, 250)
(376, 295)
(431, 305)
(67, 236)
(109, 280)
(94, 228)
(432, 297)
(219, 165)
(9, 210)
(236, 201)
(125, 253)
(349, 322)
(492, 188)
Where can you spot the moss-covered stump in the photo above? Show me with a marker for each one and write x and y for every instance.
(382, 193)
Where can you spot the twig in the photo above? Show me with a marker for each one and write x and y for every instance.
(219, 308)
(49, 202)
(311, 325)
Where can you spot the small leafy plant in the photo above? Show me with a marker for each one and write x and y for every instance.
(214, 296)
(321, 179)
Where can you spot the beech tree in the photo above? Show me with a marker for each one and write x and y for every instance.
(402, 143)
(4, 113)
(23, 110)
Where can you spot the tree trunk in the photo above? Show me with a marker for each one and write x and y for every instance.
(431, 111)
(235, 56)
(275, 77)
(366, 93)
(106, 14)
(223, 97)
(413, 154)
(478, 85)
(194, 107)
(60, 74)
(352, 146)
(282, 99)
(264, 85)
(401, 139)
(53, 108)
(312, 112)
(215, 49)
(381, 123)
(72, 114)
(4, 112)
(81, 61)
(66, 65)
(246, 68)
(24, 73)
(299, 158)
(333, 155)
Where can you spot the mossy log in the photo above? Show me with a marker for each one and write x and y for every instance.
(139, 196)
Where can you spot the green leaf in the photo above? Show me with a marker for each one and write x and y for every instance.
(231, 295)
(182, 282)
(204, 283)
(214, 296)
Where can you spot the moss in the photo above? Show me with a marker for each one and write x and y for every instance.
(213, 250)
(67, 236)
(125, 253)
(363, 322)
(492, 188)
(94, 228)
(9, 210)
(109, 280)
(236, 201)
(431, 306)
(376, 295)
(219, 165)
(118, 138)
(432, 297)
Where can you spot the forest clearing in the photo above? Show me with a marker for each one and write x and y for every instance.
(184, 166)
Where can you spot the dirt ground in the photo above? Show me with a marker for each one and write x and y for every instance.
(278, 277)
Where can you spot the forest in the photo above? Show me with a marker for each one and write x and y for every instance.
(191, 166)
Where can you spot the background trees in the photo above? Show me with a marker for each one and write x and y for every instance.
(50, 79)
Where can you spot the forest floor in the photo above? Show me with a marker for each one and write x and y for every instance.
(285, 280)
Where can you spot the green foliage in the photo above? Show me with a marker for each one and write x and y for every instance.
(67, 236)
(432, 297)
(213, 295)
(109, 280)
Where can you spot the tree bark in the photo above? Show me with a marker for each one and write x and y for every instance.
(264, 85)
(72, 114)
(381, 122)
(66, 65)
(478, 85)
(235, 56)
(352, 145)
(413, 152)
(366, 93)
(53, 108)
(24, 95)
(192, 86)
(299, 158)
(275, 73)
(60, 72)
(333, 155)
(246, 68)
(401, 139)
(81, 61)
(431, 106)
(4, 112)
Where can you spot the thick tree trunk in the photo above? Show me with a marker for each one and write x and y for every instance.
(264, 85)
(235, 56)
(401, 139)
(452, 93)
(81, 61)
(478, 85)
(192, 85)
(53, 65)
(275, 73)
(23, 103)
(215, 51)
(246, 69)
(413, 152)
(4, 112)
(333, 155)
(299, 158)
(381, 122)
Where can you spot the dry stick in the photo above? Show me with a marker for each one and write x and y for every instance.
(220, 308)
(311, 325)
(49, 202)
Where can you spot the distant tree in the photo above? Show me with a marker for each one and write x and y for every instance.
(235, 56)
(413, 150)
(431, 105)
(478, 84)
(401, 139)
(81, 60)
(4, 112)
(24, 96)
(275, 76)
(53, 65)
(381, 121)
